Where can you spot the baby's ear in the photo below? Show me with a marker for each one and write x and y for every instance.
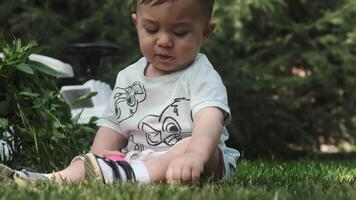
(134, 18)
(208, 30)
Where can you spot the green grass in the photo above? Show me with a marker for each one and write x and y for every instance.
(254, 180)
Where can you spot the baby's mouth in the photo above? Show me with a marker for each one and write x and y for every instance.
(164, 57)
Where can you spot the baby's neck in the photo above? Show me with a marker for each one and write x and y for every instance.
(151, 71)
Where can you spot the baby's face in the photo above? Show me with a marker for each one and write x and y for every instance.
(170, 34)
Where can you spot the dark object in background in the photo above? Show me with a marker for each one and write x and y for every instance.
(90, 56)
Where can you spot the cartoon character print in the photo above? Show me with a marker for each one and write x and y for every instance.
(136, 146)
(126, 100)
(170, 126)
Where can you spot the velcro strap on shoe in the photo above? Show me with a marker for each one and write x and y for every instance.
(130, 174)
(115, 169)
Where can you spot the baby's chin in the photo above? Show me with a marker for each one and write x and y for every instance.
(167, 67)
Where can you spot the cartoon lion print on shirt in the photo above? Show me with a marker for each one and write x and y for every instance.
(173, 124)
(137, 146)
(126, 100)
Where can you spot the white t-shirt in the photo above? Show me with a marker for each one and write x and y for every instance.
(156, 112)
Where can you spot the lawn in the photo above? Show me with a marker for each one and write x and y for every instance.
(305, 179)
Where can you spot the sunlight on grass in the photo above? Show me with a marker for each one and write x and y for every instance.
(254, 180)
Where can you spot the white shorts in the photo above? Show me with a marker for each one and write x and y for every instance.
(229, 169)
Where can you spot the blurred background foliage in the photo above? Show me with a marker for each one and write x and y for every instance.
(289, 65)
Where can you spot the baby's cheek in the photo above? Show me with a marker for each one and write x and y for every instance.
(188, 50)
(146, 49)
(146, 45)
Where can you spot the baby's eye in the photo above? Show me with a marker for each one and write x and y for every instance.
(151, 30)
(180, 33)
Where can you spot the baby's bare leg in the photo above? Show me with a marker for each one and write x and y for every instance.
(157, 166)
(75, 172)
(106, 140)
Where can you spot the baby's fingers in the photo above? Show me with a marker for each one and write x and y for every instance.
(186, 175)
(173, 175)
(195, 175)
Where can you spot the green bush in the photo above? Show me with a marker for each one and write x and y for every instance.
(290, 69)
(34, 115)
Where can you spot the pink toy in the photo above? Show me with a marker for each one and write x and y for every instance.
(116, 158)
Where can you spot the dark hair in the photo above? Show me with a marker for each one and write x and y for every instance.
(207, 5)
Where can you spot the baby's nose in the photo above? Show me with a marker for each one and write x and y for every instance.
(165, 40)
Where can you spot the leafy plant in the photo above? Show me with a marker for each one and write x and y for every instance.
(34, 119)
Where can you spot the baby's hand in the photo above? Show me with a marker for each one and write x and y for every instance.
(185, 169)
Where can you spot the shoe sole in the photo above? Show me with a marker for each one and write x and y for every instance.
(6, 173)
(92, 168)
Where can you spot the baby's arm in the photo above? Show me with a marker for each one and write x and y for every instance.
(108, 142)
(208, 123)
